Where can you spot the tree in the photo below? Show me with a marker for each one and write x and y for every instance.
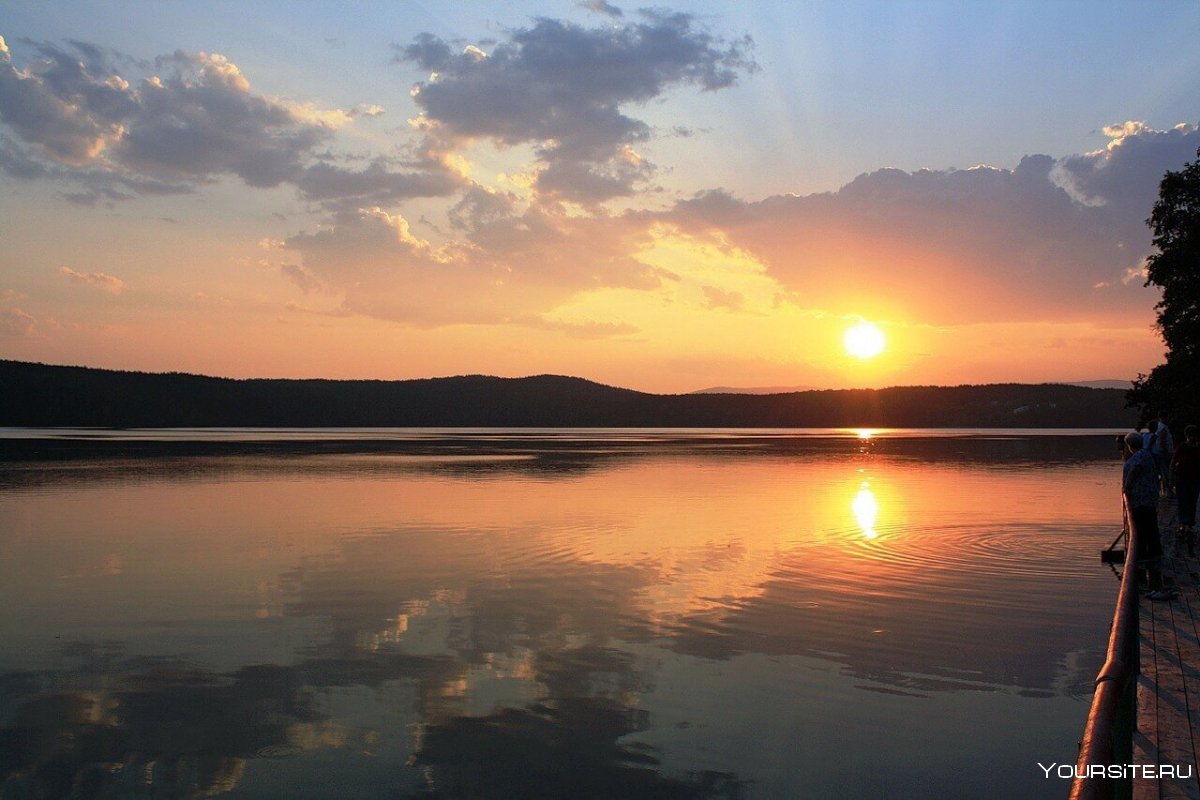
(1175, 385)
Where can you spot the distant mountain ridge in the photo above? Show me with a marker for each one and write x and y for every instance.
(754, 390)
(1107, 383)
(39, 395)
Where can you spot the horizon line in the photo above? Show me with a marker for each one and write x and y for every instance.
(748, 390)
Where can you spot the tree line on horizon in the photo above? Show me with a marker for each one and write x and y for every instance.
(39, 395)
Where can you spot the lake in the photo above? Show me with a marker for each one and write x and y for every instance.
(550, 613)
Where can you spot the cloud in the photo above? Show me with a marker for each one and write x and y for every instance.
(382, 269)
(579, 330)
(509, 265)
(303, 278)
(200, 121)
(960, 246)
(1116, 175)
(1052, 238)
(543, 246)
(602, 7)
(562, 87)
(376, 184)
(942, 247)
(204, 121)
(97, 185)
(189, 120)
(61, 108)
(111, 127)
(99, 280)
(17, 163)
(367, 110)
(720, 298)
(15, 322)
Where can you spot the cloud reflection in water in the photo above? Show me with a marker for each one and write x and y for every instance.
(475, 630)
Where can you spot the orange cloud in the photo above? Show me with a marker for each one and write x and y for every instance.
(511, 265)
(965, 246)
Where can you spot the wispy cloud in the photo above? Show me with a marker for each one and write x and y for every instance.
(99, 280)
(17, 323)
(603, 7)
(589, 329)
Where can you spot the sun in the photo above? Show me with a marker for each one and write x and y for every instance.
(864, 340)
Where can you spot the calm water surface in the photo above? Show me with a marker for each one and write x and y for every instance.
(549, 614)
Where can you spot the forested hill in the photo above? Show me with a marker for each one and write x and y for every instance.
(39, 395)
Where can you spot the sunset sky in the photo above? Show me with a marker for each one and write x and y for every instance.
(669, 199)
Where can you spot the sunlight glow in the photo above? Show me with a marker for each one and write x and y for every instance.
(866, 510)
(864, 340)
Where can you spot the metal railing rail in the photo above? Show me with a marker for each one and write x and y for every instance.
(1108, 736)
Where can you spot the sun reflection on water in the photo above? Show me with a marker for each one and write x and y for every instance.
(866, 510)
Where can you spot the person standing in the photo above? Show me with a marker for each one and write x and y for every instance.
(1185, 466)
(1139, 483)
(1163, 450)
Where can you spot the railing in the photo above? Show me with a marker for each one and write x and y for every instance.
(1108, 737)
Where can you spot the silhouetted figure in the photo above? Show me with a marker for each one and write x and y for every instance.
(1162, 446)
(1185, 466)
(1140, 485)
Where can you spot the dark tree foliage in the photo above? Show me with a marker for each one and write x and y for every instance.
(1174, 386)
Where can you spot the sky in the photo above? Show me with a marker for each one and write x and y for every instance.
(665, 199)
